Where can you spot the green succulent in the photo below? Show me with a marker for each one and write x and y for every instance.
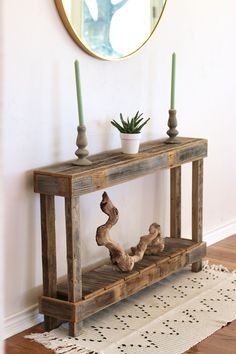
(130, 126)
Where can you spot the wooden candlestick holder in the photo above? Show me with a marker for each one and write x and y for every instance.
(172, 132)
(81, 152)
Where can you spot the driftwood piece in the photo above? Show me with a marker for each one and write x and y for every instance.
(150, 244)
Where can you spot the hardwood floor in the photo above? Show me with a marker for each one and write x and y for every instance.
(222, 341)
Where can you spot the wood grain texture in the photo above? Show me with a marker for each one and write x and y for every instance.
(19, 345)
(197, 205)
(223, 252)
(58, 309)
(74, 272)
(107, 276)
(73, 249)
(177, 254)
(222, 341)
(52, 185)
(114, 167)
(175, 202)
(48, 252)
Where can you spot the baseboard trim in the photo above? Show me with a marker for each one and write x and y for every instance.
(30, 317)
(220, 233)
(21, 321)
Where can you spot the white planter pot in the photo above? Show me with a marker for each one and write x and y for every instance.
(130, 143)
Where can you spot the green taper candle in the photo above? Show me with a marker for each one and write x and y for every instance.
(79, 97)
(172, 97)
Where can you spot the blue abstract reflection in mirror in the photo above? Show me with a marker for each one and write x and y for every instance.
(113, 29)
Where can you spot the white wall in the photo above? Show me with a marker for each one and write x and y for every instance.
(39, 121)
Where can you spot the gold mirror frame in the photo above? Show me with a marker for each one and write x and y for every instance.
(75, 37)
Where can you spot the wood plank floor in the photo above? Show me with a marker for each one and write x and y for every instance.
(222, 341)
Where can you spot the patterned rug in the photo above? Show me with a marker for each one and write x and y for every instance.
(168, 317)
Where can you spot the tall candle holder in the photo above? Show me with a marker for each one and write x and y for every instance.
(81, 143)
(172, 132)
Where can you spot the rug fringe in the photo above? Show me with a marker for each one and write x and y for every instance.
(49, 341)
(217, 267)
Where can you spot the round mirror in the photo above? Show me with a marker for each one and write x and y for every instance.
(110, 29)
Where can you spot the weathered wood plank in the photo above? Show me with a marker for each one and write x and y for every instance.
(94, 293)
(57, 309)
(172, 265)
(105, 297)
(117, 174)
(197, 203)
(73, 249)
(52, 185)
(175, 202)
(109, 276)
(152, 266)
(143, 264)
(131, 285)
(152, 273)
(134, 168)
(74, 271)
(112, 168)
(95, 280)
(183, 242)
(191, 153)
(48, 252)
(197, 254)
(114, 157)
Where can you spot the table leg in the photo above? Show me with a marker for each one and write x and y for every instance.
(197, 202)
(175, 202)
(73, 257)
(48, 253)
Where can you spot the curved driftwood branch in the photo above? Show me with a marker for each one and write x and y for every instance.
(150, 244)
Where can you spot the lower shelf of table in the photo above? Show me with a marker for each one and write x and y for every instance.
(106, 285)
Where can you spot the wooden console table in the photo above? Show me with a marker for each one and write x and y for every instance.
(81, 295)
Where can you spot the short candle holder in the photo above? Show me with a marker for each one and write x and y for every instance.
(81, 152)
(172, 132)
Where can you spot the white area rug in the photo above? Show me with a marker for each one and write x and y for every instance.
(166, 318)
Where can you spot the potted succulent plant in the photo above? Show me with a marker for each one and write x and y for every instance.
(130, 132)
